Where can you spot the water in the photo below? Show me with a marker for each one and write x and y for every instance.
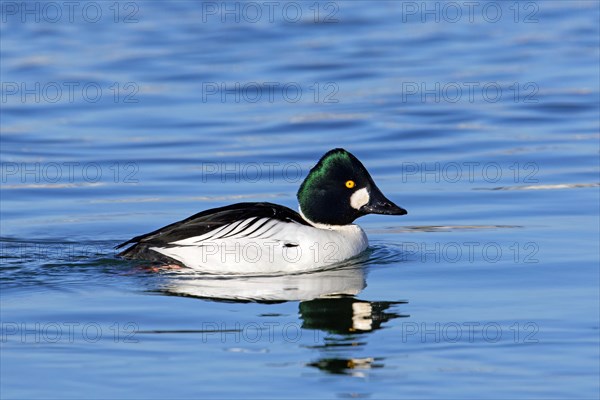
(484, 127)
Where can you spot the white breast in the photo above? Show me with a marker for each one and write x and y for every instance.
(258, 246)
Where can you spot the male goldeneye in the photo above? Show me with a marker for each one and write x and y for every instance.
(256, 238)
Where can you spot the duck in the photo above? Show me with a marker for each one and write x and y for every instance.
(264, 238)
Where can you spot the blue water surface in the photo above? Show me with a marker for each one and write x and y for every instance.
(481, 119)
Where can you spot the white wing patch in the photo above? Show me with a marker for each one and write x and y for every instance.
(231, 231)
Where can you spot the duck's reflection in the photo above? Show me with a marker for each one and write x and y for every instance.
(346, 315)
(347, 366)
(347, 281)
(346, 320)
(327, 305)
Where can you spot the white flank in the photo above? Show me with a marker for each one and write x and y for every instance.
(275, 247)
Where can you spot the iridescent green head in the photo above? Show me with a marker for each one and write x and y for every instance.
(339, 189)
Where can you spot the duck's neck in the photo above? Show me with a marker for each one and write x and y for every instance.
(320, 225)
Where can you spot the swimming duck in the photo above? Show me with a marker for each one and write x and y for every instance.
(257, 238)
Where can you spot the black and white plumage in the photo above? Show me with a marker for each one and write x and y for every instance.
(217, 223)
(247, 238)
(251, 238)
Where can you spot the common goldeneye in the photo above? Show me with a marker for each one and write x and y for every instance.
(257, 238)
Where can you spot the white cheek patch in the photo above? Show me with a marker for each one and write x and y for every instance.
(359, 198)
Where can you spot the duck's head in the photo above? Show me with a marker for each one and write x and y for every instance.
(339, 189)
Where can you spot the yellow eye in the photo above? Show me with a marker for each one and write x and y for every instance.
(350, 184)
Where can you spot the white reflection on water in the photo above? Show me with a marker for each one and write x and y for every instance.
(348, 281)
